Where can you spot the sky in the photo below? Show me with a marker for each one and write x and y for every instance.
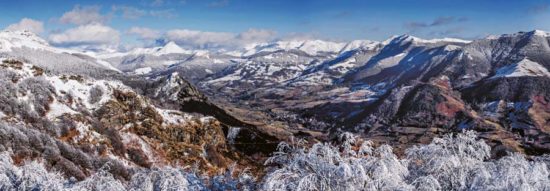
(235, 23)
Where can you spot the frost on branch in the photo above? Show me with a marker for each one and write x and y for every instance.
(454, 162)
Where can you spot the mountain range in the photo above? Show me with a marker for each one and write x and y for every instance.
(167, 105)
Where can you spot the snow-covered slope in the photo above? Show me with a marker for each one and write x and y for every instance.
(19, 39)
(310, 47)
(359, 44)
(27, 45)
(524, 67)
(413, 39)
(169, 48)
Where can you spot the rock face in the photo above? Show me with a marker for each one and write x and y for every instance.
(173, 92)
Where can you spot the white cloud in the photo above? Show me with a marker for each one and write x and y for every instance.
(199, 39)
(256, 35)
(202, 39)
(144, 33)
(83, 15)
(300, 37)
(27, 24)
(90, 36)
(129, 12)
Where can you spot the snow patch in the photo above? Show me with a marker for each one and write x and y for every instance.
(141, 71)
(171, 48)
(232, 134)
(173, 116)
(57, 109)
(391, 61)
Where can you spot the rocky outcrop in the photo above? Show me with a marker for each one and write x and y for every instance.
(78, 125)
(174, 92)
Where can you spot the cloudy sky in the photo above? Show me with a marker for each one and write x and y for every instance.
(233, 23)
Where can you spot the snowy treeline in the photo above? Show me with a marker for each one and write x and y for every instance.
(459, 162)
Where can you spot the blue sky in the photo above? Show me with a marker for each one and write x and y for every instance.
(197, 22)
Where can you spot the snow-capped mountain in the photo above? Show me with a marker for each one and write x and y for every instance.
(404, 81)
(169, 48)
(29, 46)
(18, 39)
(164, 60)
(310, 47)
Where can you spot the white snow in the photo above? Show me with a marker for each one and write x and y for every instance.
(107, 65)
(170, 62)
(348, 63)
(451, 47)
(171, 48)
(19, 39)
(311, 47)
(456, 40)
(359, 44)
(173, 116)
(202, 53)
(226, 78)
(80, 91)
(57, 109)
(391, 61)
(525, 67)
(541, 33)
(141, 71)
(424, 41)
(530, 33)
(218, 61)
(232, 134)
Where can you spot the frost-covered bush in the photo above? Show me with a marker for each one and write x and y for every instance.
(327, 167)
(40, 93)
(35, 176)
(459, 162)
(31, 176)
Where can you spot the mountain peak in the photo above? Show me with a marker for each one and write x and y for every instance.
(539, 33)
(17, 39)
(400, 39)
(533, 33)
(171, 48)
